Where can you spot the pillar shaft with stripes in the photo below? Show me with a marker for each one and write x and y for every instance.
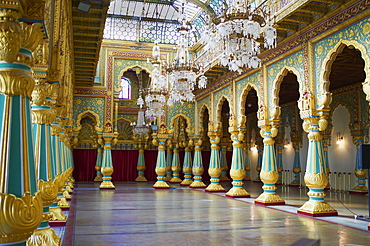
(159, 139)
(107, 164)
(315, 177)
(214, 164)
(269, 174)
(198, 163)
(20, 201)
(237, 171)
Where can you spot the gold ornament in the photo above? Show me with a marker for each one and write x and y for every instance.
(19, 216)
(48, 191)
(10, 35)
(316, 180)
(269, 177)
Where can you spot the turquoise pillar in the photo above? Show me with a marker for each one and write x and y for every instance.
(259, 163)
(176, 167)
(141, 166)
(279, 164)
(169, 158)
(160, 167)
(99, 158)
(223, 164)
(20, 200)
(296, 165)
(237, 171)
(315, 177)
(187, 166)
(269, 174)
(247, 163)
(214, 164)
(361, 174)
(42, 117)
(198, 164)
(107, 164)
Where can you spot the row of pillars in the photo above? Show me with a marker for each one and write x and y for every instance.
(36, 154)
(316, 176)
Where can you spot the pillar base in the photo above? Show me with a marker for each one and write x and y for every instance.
(238, 193)
(141, 179)
(359, 189)
(45, 236)
(58, 218)
(267, 199)
(197, 184)
(215, 188)
(69, 189)
(186, 182)
(66, 194)
(295, 183)
(161, 185)
(167, 178)
(63, 204)
(224, 178)
(175, 180)
(98, 179)
(107, 185)
(317, 209)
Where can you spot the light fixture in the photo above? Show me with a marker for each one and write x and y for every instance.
(254, 148)
(140, 128)
(183, 72)
(156, 93)
(237, 30)
(84, 6)
(286, 143)
(339, 138)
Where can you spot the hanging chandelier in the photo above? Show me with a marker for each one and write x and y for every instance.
(238, 30)
(140, 128)
(156, 93)
(183, 72)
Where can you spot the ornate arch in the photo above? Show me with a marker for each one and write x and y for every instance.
(126, 134)
(275, 108)
(120, 74)
(244, 96)
(335, 106)
(201, 113)
(97, 120)
(187, 119)
(324, 95)
(219, 107)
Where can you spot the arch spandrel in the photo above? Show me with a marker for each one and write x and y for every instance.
(274, 108)
(275, 73)
(188, 123)
(85, 113)
(326, 50)
(243, 98)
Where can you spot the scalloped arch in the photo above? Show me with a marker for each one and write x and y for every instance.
(201, 113)
(188, 122)
(219, 107)
(329, 60)
(244, 96)
(277, 83)
(97, 119)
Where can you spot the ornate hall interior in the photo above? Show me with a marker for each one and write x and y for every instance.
(184, 122)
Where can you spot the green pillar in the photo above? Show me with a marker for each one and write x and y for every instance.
(99, 157)
(159, 139)
(247, 162)
(315, 177)
(107, 164)
(237, 171)
(296, 165)
(141, 165)
(279, 163)
(223, 163)
(169, 158)
(20, 201)
(187, 166)
(176, 167)
(214, 164)
(269, 174)
(198, 164)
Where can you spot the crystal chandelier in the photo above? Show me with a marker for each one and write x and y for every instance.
(238, 31)
(183, 72)
(140, 128)
(155, 97)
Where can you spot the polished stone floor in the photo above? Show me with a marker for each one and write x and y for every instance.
(136, 214)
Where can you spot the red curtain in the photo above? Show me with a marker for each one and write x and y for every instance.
(84, 164)
(125, 162)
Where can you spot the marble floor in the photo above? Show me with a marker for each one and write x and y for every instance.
(136, 214)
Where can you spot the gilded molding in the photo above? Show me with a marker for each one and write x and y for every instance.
(32, 35)
(269, 177)
(316, 180)
(10, 35)
(16, 83)
(20, 216)
(48, 190)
